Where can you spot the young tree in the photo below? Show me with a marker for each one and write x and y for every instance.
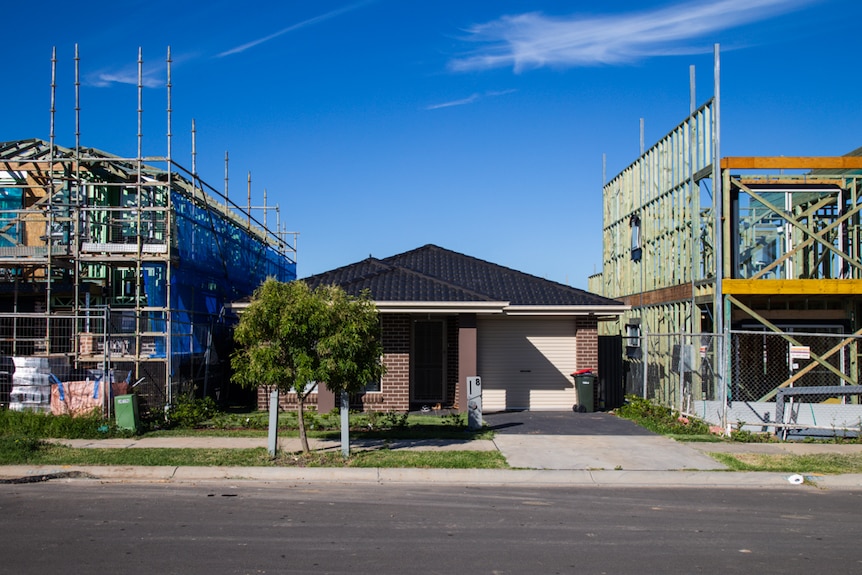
(291, 337)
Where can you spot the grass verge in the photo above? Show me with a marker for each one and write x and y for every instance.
(22, 451)
(817, 463)
(384, 458)
(415, 430)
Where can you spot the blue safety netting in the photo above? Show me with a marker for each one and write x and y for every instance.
(219, 262)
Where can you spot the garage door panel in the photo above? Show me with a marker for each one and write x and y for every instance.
(493, 399)
(552, 400)
(529, 361)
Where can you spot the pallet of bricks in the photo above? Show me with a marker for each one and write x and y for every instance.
(31, 385)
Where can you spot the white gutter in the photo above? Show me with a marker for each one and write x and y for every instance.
(498, 308)
(566, 310)
(484, 307)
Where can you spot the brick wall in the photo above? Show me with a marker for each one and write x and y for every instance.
(286, 401)
(587, 343)
(395, 390)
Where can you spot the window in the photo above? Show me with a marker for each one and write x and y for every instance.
(11, 204)
(635, 224)
(633, 335)
(632, 339)
(374, 386)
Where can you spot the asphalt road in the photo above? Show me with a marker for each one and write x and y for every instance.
(248, 527)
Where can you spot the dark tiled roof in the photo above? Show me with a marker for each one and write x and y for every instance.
(434, 274)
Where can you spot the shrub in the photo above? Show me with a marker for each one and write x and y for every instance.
(659, 418)
(190, 412)
(231, 421)
(372, 420)
(744, 436)
(395, 420)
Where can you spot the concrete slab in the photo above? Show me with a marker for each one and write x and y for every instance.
(630, 453)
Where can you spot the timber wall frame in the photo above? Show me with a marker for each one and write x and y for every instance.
(776, 242)
(658, 254)
(815, 273)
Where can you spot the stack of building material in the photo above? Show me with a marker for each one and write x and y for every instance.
(88, 396)
(31, 384)
(77, 397)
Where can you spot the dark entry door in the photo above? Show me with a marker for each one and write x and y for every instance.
(428, 361)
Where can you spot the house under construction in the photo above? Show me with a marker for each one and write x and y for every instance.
(745, 280)
(121, 268)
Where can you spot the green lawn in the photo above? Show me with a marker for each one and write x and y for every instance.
(22, 451)
(825, 463)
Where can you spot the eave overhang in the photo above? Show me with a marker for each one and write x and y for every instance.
(501, 308)
(570, 310)
(479, 307)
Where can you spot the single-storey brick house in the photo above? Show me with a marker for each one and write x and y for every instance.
(447, 316)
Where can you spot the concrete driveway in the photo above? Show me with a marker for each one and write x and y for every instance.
(561, 423)
(570, 440)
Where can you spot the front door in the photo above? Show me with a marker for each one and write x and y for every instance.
(429, 374)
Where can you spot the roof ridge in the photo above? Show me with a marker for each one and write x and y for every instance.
(382, 268)
(436, 274)
(444, 282)
(429, 247)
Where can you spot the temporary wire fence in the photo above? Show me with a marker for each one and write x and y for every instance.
(38, 351)
(681, 371)
(796, 382)
(789, 383)
(119, 345)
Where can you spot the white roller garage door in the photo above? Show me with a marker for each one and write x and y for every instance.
(526, 363)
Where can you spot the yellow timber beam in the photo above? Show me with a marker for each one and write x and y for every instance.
(792, 163)
(791, 287)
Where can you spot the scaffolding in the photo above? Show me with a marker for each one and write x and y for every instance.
(141, 241)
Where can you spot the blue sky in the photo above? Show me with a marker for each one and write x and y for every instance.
(381, 125)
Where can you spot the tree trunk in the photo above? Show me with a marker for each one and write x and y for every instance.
(303, 438)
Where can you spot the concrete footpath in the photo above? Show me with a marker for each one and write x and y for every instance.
(639, 460)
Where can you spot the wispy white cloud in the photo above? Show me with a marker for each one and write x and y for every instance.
(153, 73)
(104, 79)
(462, 102)
(294, 27)
(533, 40)
(469, 99)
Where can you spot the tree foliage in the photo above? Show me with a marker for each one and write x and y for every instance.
(291, 337)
